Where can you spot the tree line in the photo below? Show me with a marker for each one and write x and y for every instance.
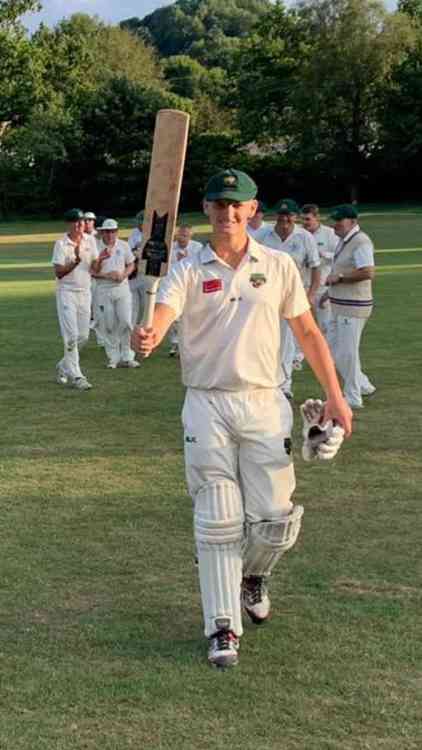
(321, 100)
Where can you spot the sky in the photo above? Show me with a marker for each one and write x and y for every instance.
(108, 10)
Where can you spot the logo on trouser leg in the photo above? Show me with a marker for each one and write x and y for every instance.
(288, 446)
(190, 439)
(222, 623)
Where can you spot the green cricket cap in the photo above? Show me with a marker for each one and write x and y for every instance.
(286, 206)
(74, 214)
(232, 185)
(345, 211)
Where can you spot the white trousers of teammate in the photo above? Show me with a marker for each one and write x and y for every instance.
(136, 286)
(344, 335)
(74, 312)
(288, 354)
(322, 314)
(115, 309)
(239, 470)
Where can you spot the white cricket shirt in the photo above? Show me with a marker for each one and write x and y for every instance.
(363, 256)
(79, 279)
(230, 318)
(326, 241)
(120, 256)
(300, 245)
(187, 252)
(135, 238)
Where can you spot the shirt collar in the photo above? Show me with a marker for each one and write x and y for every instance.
(254, 253)
(352, 232)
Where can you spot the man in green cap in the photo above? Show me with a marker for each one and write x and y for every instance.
(231, 297)
(293, 239)
(350, 294)
(73, 259)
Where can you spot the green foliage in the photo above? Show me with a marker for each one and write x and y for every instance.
(81, 54)
(12, 10)
(208, 30)
(20, 75)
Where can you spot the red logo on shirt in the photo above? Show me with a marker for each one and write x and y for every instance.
(213, 285)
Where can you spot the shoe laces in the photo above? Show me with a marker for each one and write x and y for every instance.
(224, 639)
(255, 589)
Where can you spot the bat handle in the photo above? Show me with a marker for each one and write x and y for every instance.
(150, 286)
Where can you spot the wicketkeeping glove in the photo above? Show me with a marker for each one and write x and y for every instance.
(319, 440)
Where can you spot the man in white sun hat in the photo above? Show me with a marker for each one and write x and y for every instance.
(114, 265)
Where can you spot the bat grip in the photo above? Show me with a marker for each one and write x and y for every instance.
(151, 286)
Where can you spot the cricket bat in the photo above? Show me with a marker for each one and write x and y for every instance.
(162, 202)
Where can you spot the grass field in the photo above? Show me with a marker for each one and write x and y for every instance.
(102, 644)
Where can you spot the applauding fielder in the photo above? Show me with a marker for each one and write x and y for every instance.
(73, 258)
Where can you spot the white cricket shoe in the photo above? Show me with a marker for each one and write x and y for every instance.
(223, 648)
(368, 391)
(61, 377)
(255, 599)
(81, 384)
(112, 365)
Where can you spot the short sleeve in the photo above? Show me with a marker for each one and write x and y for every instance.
(59, 255)
(294, 300)
(173, 287)
(363, 256)
(313, 258)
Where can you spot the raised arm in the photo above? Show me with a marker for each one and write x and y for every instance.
(145, 340)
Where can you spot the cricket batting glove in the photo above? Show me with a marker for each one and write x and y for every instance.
(321, 441)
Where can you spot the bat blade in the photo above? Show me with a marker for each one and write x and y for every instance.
(162, 201)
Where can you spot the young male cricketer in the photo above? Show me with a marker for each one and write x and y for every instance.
(231, 297)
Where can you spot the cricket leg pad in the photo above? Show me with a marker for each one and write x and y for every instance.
(218, 521)
(267, 541)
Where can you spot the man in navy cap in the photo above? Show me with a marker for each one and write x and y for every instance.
(351, 300)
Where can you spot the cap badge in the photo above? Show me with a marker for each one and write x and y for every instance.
(230, 180)
(257, 279)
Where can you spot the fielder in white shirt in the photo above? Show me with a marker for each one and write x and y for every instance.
(73, 259)
(350, 294)
(257, 225)
(301, 246)
(183, 247)
(326, 241)
(231, 298)
(115, 263)
(136, 279)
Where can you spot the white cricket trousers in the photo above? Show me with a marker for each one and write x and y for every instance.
(115, 309)
(74, 312)
(242, 437)
(344, 336)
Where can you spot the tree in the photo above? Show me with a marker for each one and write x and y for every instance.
(12, 10)
(81, 54)
(208, 30)
(333, 61)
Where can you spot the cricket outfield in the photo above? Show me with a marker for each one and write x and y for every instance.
(102, 645)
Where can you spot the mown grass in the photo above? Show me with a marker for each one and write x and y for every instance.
(102, 644)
